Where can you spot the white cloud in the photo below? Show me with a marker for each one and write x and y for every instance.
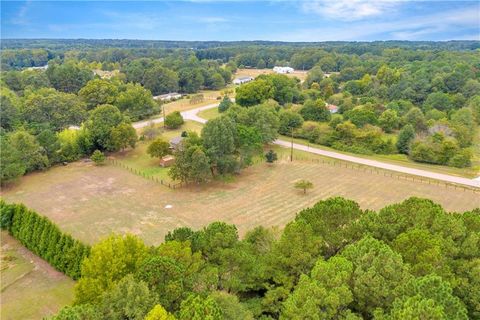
(349, 10)
(410, 28)
(21, 17)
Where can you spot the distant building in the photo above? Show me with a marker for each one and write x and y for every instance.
(168, 96)
(167, 161)
(176, 143)
(45, 67)
(241, 80)
(283, 70)
(332, 108)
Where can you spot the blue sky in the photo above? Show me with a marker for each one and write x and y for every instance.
(295, 20)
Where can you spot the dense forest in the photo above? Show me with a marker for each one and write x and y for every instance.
(411, 260)
(420, 99)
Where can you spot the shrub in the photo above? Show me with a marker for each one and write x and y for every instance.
(98, 157)
(174, 120)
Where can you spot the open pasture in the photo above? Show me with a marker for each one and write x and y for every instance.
(302, 75)
(31, 288)
(90, 202)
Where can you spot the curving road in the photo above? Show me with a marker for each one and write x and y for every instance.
(193, 115)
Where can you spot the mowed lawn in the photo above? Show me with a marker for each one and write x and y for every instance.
(138, 159)
(31, 288)
(91, 202)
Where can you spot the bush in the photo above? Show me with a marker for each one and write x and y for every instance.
(98, 157)
(271, 156)
(462, 159)
(174, 120)
(225, 104)
(44, 238)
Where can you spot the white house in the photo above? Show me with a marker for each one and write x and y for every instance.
(241, 80)
(168, 96)
(331, 107)
(283, 70)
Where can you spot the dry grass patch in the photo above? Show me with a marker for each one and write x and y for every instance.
(90, 202)
(31, 288)
(302, 75)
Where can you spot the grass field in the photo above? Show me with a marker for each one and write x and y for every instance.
(31, 288)
(184, 103)
(302, 75)
(90, 202)
(139, 160)
(209, 113)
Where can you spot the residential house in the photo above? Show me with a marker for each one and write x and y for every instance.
(283, 70)
(241, 80)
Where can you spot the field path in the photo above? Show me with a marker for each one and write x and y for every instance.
(193, 115)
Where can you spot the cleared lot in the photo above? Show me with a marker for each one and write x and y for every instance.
(90, 202)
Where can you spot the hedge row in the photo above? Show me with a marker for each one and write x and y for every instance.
(44, 238)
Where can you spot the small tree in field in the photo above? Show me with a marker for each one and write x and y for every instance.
(304, 185)
(174, 120)
(98, 157)
(271, 156)
(158, 148)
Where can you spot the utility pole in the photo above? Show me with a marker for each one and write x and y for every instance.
(291, 148)
(163, 109)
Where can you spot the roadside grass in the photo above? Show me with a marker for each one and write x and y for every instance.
(209, 113)
(30, 288)
(90, 202)
(399, 159)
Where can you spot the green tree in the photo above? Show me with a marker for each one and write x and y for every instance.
(165, 277)
(122, 136)
(378, 272)
(271, 156)
(253, 93)
(97, 92)
(174, 120)
(314, 75)
(160, 80)
(158, 148)
(361, 115)
(159, 313)
(9, 109)
(388, 120)
(48, 140)
(98, 157)
(109, 261)
(78, 312)
(433, 289)
(262, 117)
(12, 165)
(52, 109)
(31, 153)
(198, 308)
(100, 124)
(129, 299)
(68, 140)
(230, 306)
(405, 138)
(315, 111)
(68, 77)
(219, 137)
(304, 185)
(225, 104)
(191, 165)
(289, 121)
(324, 295)
(135, 102)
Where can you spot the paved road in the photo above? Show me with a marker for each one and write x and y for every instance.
(193, 115)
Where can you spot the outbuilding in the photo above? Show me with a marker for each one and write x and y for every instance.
(241, 80)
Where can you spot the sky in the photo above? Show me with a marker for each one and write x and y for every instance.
(232, 20)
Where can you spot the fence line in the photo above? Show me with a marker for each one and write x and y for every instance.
(334, 163)
(385, 172)
(167, 184)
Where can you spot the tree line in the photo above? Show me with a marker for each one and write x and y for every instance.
(333, 261)
(41, 236)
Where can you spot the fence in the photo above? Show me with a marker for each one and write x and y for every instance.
(323, 161)
(167, 184)
(384, 172)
